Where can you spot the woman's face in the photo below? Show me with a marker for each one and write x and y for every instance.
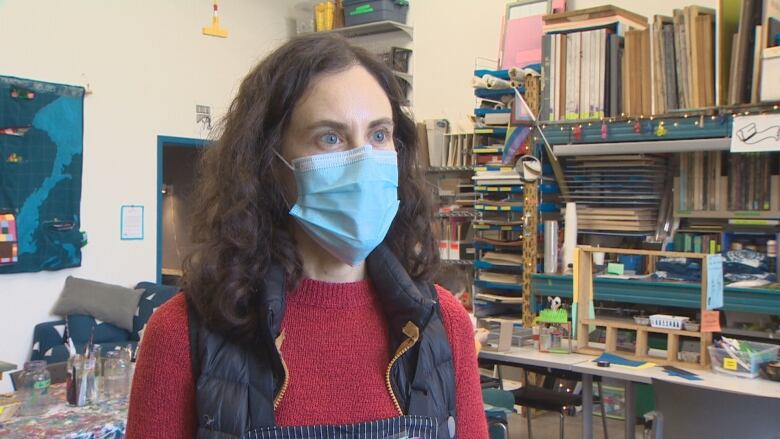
(338, 112)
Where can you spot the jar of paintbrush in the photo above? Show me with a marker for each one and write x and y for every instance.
(81, 387)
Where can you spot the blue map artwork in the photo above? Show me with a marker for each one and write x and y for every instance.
(41, 145)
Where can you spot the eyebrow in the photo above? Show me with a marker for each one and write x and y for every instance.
(343, 127)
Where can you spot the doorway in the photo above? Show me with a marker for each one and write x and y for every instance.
(177, 163)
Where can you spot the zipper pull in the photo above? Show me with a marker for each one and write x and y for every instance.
(412, 331)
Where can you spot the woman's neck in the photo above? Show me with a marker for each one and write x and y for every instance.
(319, 264)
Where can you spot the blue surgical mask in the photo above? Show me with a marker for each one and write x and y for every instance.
(347, 200)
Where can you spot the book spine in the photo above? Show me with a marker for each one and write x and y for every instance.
(571, 76)
(612, 82)
(670, 76)
(585, 69)
(546, 73)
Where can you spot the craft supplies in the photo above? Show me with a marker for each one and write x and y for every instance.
(739, 357)
(676, 371)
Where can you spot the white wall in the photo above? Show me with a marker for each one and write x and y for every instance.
(448, 37)
(148, 65)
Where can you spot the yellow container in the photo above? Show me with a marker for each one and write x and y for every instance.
(319, 17)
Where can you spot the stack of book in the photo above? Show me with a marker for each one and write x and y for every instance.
(457, 149)
(607, 62)
(583, 62)
(749, 181)
(697, 242)
(700, 182)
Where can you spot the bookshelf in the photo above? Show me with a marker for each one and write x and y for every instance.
(583, 279)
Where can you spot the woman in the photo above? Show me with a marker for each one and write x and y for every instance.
(306, 303)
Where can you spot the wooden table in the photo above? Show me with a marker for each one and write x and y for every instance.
(105, 419)
(585, 365)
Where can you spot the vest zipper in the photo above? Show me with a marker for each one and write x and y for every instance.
(413, 332)
(286, 381)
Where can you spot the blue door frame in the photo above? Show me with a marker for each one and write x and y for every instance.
(161, 142)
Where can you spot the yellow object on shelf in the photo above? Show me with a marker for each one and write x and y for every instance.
(328, 16)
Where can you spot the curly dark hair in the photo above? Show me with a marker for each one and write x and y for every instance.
(240, 219)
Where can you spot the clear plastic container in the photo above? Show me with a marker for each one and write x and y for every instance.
(724, 363)
(33, 388)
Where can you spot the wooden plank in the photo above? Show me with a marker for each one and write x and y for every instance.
(657, 360)
(672, 347)
(611, 342)
(628, 324)
(627, 251)
(584, 272)
(641, 343)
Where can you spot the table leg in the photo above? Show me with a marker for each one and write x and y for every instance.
(587, 406)
(630, 405)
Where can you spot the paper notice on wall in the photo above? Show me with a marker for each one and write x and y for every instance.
(759, 133)
(132, 223)
(710, 321)
(714, 266)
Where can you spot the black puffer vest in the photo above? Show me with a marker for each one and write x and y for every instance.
(238, 388)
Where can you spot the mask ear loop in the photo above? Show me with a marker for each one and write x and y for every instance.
(292, 168)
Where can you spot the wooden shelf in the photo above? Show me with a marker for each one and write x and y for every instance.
(746, 214)
(433, 169)
(627, 324)
(583, 283)
(627, 251)
(380, 27)
(648, 147)
(657, 360)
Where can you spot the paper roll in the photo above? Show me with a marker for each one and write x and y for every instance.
(569, 235)
(550, 246)
(478, 82)
(496, 83)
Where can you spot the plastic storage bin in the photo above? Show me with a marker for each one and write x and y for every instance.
(723, 363)
(668, 322)
(369, 11)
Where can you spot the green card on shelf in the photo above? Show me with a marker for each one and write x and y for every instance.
(613, 268)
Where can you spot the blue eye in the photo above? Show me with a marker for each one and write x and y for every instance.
(330, 139)
(379, 136)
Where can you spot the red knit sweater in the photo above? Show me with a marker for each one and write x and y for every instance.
(336, 349)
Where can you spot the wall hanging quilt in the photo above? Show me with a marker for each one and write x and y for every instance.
(41, 146)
